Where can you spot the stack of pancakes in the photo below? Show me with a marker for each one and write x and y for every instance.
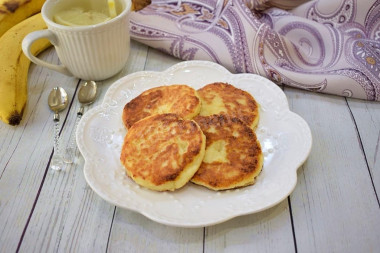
(177, 134)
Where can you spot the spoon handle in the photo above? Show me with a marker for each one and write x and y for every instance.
(56, 162)
(72, 147)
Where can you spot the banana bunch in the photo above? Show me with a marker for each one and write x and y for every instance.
(14, 66)
(13, 12)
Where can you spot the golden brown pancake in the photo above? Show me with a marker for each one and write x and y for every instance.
(233, 155)
(223, 98)
(162, 152)
(179, 99)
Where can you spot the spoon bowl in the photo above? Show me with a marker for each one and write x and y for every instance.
(87, 93)
(58, 99)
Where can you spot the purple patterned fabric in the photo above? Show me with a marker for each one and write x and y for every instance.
(329, 46)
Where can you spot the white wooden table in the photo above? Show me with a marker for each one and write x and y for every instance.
(334, 207)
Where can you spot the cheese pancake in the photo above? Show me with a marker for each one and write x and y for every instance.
(179, 99)
(224, 98)
(162, 152)
(233, 155)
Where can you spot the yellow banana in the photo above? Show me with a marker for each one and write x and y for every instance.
(14, 66)
(13, 12)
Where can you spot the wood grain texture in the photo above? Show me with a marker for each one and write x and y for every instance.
(334, 205)
(159, 61)
(267, 231)
(69, 216)
(367, 119)
(132, 232)
(25, 152)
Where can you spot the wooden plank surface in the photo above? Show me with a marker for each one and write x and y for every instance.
(367, 119)
(334, 205)
(268, 231)
(69, 216)
(132, 232)
(25, 152)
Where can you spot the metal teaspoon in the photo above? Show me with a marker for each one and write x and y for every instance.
(86, 95)
(58, 101)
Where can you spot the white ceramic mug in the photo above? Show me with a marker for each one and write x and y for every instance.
(93, 52)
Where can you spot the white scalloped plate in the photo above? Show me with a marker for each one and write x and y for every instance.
(285, 138)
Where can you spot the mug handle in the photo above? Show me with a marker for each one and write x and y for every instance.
(28, 42)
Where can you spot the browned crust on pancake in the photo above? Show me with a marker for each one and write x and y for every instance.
(232, 97)
(150, 153)
(244, 154)
(179, 99)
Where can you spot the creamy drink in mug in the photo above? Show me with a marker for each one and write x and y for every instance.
(91, 37)
(87, 13)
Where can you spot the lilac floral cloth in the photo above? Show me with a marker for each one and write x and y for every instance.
(329, 46)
